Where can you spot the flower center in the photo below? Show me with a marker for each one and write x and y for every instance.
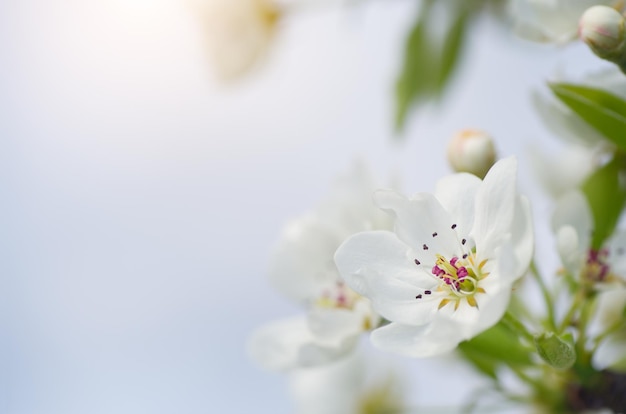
(338, 296)
(458, 277)
(597, 268)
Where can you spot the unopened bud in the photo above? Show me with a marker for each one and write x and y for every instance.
(602, 29)
(471, 151)
(557, 352)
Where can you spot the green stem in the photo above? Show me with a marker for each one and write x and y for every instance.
(569, 316)
(547, 297)
(515, 325)
(583, 355)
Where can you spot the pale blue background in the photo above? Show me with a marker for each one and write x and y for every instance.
(140, 198)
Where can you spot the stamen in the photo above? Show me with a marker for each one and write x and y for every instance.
(425, 247)
(418, 297)
(453, 226)
(435, 234)
(463, 241)
(427, 292)
(417, 262)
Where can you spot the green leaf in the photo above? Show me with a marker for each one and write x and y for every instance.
(497, 345)
(606, 196)
(416, 76)
(430, 59)
(453, 47)
(602, 110)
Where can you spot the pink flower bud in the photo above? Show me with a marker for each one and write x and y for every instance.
(602, 29)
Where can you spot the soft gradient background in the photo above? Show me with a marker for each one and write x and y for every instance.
(140, 199)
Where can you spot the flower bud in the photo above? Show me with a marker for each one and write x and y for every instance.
(471, 151)
(602, 29)
(555, 351)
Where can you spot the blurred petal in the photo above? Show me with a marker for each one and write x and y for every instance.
(424, 341)
(289, 344)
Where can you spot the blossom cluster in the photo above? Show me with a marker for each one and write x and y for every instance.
(456, 271)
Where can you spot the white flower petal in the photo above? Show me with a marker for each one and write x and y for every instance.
(371, 255)
(565, 124)
(564, 171)
(523, 236)
(457, 193)
(330, 389)
(435, 338)
(348, 385)
(573, 210)
(333, 326)
(276, 346)
(422, 223)
(610, 353)
(569, 247)
(495, 206)
(492, 305)
(302, 262)
(553, 21)
(289, 344)
(397, 300)
(313, 354)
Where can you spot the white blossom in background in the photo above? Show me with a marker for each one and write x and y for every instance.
(584, 148)
(447, 271)
(609, 317)
(573, 225)
(550, 21)
(559, 174)
(568, 126)
(238, 33)
(302, 268)
(357, 384)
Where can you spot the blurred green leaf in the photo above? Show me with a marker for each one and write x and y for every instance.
(494, 347)
(430, 59)
(606, 196)
(452, 47)
(415, 80)
(602, 110)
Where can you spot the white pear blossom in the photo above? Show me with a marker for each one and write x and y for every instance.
(358, 384)
(238, 33)
(573, 225)
(446, 273)
(302, 268)
(550, 21)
